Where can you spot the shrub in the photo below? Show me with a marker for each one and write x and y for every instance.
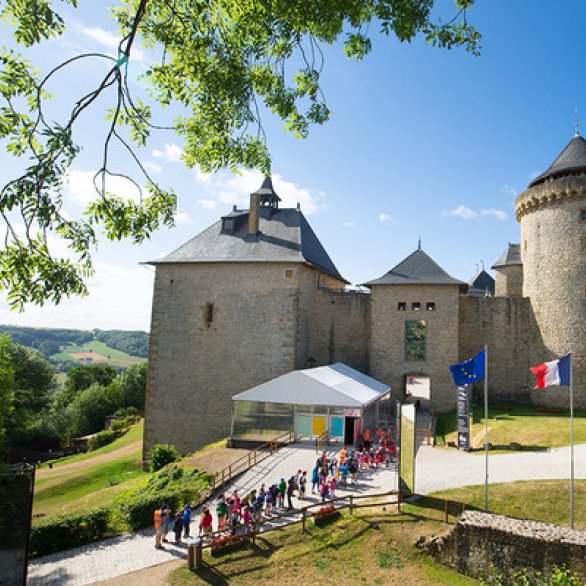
(161, 455)
(126, 411)
(118, 425)
(57, 533)
(171, 486)
(102, 438)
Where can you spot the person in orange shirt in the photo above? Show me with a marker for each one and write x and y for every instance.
(159, 522)
(367, 438)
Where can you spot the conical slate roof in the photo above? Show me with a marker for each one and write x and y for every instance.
(571, 159)
(266, 190)
(481, 284)
(417, 269)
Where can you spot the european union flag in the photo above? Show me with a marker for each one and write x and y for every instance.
(468, 371)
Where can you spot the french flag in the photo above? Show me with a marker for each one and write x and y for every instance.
(556, 372)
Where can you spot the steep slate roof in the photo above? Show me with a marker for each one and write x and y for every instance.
(481, 284)
(417, 269)
(511, 256)
(572, 158)
(285, 236)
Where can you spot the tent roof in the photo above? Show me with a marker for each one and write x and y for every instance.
(336, 385)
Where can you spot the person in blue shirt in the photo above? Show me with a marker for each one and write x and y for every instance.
(186, 518)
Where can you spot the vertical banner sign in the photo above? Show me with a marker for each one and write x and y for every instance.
(464, 417)
(407, 450)
(16, 489)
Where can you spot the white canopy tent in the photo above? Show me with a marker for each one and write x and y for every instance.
(335, 399)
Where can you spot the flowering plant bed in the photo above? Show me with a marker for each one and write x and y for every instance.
(325, 515)
(226, 544)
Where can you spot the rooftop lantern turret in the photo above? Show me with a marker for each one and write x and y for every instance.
(267, 195)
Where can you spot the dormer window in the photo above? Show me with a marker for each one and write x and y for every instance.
(228, 225)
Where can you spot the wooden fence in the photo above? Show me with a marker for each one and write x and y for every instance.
(253, 457)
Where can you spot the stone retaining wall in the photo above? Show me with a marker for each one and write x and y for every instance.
(481, 540)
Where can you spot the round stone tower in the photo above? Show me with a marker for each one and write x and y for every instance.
(552, 214)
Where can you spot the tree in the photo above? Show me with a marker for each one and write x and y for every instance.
(80, 378)
(133, 384)
(6, 382)
(221, 61)
(90, 408)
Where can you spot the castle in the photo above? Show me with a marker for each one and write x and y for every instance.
(256, 295)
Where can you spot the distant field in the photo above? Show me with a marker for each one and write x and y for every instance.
(100, 351)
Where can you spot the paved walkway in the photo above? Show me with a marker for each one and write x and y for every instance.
(131, 552)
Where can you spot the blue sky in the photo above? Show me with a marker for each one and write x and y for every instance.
(423, 143)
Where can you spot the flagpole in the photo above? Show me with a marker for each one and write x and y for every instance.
(571, 444)
(486, 428)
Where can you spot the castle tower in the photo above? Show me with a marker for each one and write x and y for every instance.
(552, 214)
(509, 273)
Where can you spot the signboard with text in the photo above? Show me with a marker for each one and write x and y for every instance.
(464, 417)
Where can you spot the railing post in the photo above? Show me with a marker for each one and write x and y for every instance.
(223, 469)
(446, 511)
(230, 473)
(303, 518)
(399, 502)
(351, 504)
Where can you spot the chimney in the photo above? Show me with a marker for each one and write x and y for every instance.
(254, 213)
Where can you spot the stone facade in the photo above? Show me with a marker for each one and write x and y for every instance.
(247, 301)
(481, 540)
(553, 250)
(387, 339)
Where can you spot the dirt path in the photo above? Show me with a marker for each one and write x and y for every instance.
(57, 471)
(215, 459)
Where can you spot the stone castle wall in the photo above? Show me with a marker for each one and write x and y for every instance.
(481, 540)
(503, 324)
(508, 281)
(553, 250)
(387, 347)
(196, 366)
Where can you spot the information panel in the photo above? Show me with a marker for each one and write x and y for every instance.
(407, 449)
(16, 489)
(464, 417)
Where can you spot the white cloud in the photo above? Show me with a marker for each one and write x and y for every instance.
(498, 214)
(348, 224)
(119, 298)
(207, 204)
(79, 187)
(385, 218)
(506, 188)
(152, 166)
(461, 212)
(111, 40)
(171, 153)
(229, 189)
(465, 213)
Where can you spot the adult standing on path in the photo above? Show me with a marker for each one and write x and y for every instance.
(186, 519)
(159, 522)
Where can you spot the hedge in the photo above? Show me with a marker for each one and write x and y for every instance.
(57, 533)
(171, 486)
(102, 438)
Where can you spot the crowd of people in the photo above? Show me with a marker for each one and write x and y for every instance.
(236, 513)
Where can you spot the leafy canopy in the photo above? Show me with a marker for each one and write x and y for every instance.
(222, 62)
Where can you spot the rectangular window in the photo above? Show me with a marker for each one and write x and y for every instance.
(524, 244)
(401, 306)
(288, 273)
(209, 313)
(430, 306)
(583, 215)
(416, 306)
(415, 340)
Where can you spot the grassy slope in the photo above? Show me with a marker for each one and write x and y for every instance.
(84, 485)
(544, 500)
(522, 424)
(350, 551)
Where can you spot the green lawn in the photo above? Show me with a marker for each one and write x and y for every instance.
(132, 435)
(538, 500)
(522, 424)
(79, 482)
(89, 487)
(364, 549)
